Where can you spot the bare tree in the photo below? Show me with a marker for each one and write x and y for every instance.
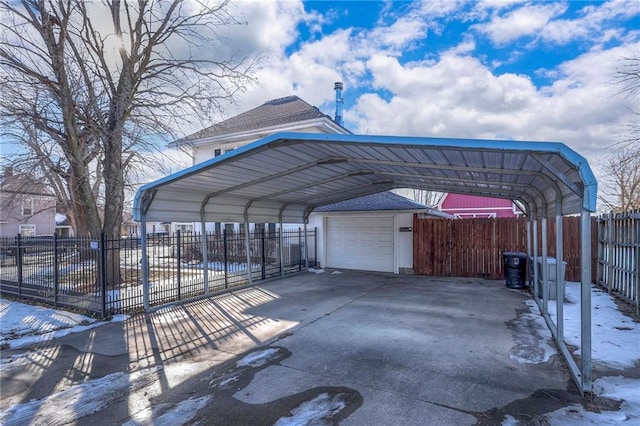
(89, 89)
(621, 189)
(627, 77)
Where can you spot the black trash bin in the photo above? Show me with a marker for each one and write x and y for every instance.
(515, 269)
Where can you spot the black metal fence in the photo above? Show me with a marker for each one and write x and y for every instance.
(104, 276)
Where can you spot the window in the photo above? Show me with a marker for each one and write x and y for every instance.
(228, 150)
(27, 230)
(217, 152)
(229, 228)
(217, 227)
(27, 206)
(259, 228)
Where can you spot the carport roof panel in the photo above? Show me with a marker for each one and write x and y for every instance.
(289, 174)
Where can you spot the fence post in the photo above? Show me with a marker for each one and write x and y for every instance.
(300, 248)
(610, 253)
(264, 260)
(636, 221)
(56, 276)
(102, 276)
(19, 263)
(315, 247)
(178, 261)
(226, 258)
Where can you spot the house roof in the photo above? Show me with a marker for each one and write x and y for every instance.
(24, 183)
(380, 201)
(286, 176)
(275, 112)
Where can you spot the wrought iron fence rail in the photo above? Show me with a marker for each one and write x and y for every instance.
(104, 276)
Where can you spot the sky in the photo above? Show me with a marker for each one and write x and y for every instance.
(614, 346)
(497, 69)
(493, 69)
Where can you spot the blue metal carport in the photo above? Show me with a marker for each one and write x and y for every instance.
(284, 177)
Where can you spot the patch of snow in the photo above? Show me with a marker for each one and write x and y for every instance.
(179, 414)
(534, 342)
(120, 318)
(316, 271)
(336, 273)
(510, 421)
(258, 358)
(614, 387)
(322, 407)
(615, 338)
(216, 383)
(77, 401)
(219, 266)
(23, 325)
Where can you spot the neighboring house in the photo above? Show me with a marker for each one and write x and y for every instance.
(289, 114)
(27, 207)
(472, 206)
(373, 233)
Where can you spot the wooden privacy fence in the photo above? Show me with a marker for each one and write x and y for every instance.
(619, 254)
(474, 247)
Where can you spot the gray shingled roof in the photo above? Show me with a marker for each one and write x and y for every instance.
(272, 113)
(374, 202)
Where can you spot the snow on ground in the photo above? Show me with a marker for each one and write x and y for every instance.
(615, 338)
(317, 411)
(77, 401)
(23, 324)
(615, 387)
(173, 415)
(258, 359)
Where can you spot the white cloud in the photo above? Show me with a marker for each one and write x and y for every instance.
(596, 23)
(460, 97)
(524, 21)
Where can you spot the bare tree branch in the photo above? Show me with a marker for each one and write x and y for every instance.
(88, 101)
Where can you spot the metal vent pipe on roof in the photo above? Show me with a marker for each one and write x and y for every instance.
(339, 102)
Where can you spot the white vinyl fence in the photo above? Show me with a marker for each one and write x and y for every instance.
(619, 254)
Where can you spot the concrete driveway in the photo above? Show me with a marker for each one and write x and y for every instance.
(349, 348)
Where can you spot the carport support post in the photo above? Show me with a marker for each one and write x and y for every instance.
(536, 285)
(247, 246)
(532, 263)
(585, 298)
(559, 277)
(306, 249)
(545, 271)
(281, 248)
(205, 251)
(145, 263)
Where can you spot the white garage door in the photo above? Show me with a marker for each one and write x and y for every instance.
(363, 243)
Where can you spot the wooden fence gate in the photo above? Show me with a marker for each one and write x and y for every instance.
(474, 247)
